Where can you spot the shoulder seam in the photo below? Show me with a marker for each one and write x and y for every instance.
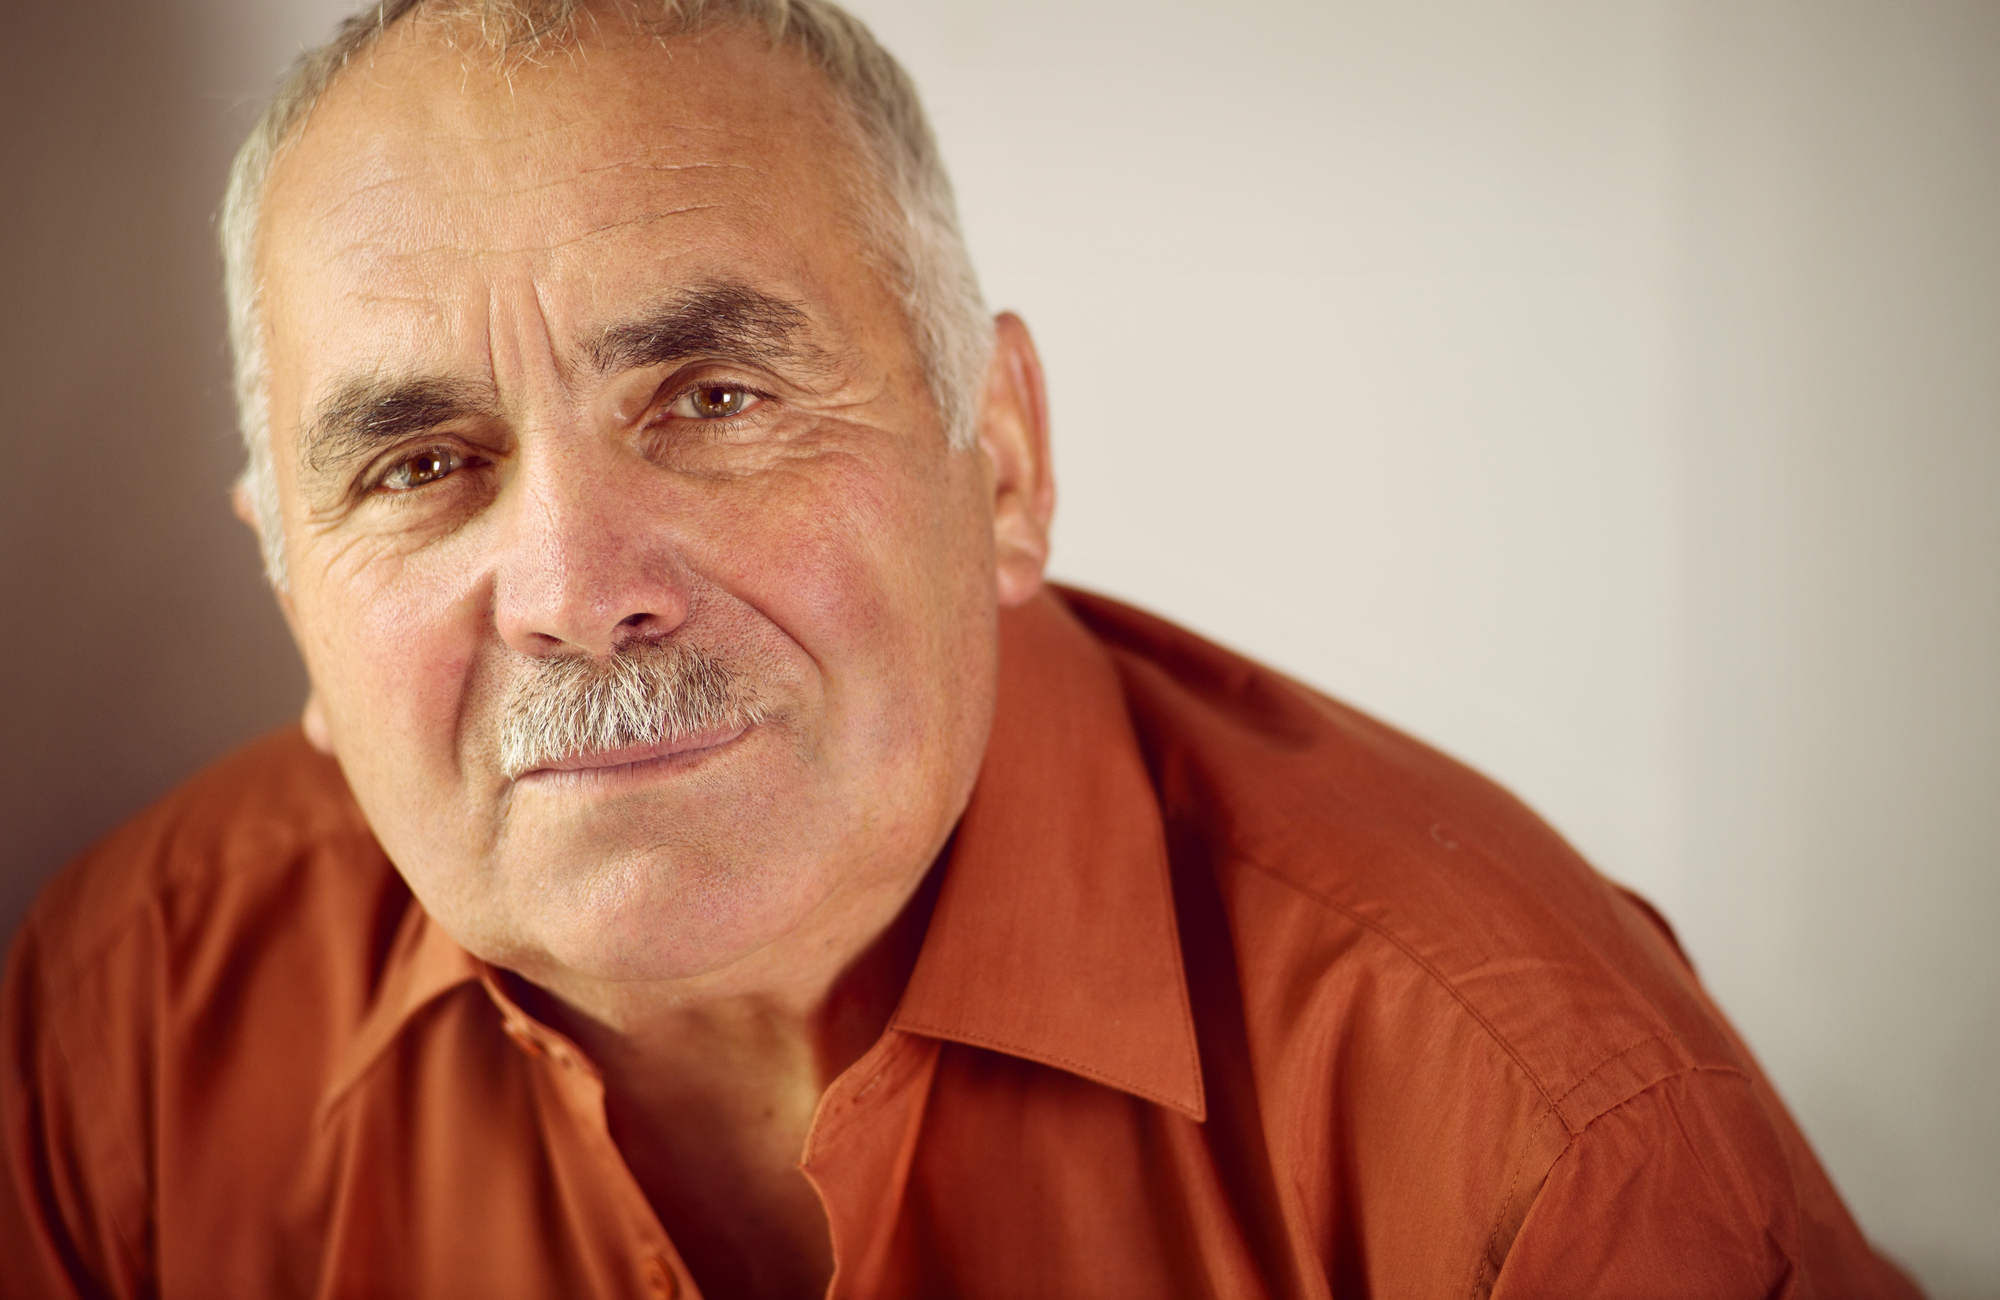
(1486, 1269)
(1485, 1261)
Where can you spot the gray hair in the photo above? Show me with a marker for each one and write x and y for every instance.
(651, 692)
(920, 235)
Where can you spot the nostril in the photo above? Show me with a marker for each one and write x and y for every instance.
(636, 628)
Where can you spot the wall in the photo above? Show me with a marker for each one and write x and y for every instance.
(1608, 393)
(1838, 436)
(135, 643)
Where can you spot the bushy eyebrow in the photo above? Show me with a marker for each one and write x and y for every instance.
(726, 321)
(369, 412)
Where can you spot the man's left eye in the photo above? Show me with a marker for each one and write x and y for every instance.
(713, 402)
(423, 468)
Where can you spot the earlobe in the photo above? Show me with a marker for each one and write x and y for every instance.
(1014, 434)
(244, 506)
(241, 505)
(313, 722)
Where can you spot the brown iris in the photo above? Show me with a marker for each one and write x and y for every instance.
(717, 401)
(423, 468)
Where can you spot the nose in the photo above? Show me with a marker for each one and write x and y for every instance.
(587, 563)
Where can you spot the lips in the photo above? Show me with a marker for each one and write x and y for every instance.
(608, 762)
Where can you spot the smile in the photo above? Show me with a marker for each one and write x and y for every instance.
(635, 760)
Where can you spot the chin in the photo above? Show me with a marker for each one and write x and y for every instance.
(654, 913)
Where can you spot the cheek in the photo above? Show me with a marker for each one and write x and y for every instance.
(393, 649)
(815, 551)
(876, 574)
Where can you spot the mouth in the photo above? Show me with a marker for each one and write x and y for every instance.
(634, 760)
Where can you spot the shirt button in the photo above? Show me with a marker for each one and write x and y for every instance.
(660, 1278)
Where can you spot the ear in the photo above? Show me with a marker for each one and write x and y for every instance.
(313, 718)
(240, 505)
(1014, 434)
(313, 721)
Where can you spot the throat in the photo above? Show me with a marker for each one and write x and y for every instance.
(710, 1105)
(721, 1170)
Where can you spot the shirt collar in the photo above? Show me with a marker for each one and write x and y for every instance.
(424, 963)
(1053, 936)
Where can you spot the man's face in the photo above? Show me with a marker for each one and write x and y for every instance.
(592, 353)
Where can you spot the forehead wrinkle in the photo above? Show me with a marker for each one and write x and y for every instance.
(382, 226)
(362, 196)
(373, 251)
(639, 166)
(577, 149)
(602, 228)
(616, 165)
(421, 305)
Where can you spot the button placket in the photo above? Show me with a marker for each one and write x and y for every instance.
(524, 1038)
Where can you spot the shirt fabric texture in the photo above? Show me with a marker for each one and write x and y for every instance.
(1228, 990)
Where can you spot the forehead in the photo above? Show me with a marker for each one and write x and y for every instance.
(428, 178)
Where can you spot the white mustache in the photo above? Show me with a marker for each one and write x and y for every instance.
(646, 694)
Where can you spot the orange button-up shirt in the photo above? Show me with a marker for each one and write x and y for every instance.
(1228, 990)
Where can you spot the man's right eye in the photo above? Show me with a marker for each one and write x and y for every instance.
(425, 467)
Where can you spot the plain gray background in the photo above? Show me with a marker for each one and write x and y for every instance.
(1607, 392)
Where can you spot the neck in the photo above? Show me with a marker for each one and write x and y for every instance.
(710, 1097)
(811, 1027)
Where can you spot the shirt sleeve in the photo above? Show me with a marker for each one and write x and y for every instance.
(1691, 1190)
(72, 1199)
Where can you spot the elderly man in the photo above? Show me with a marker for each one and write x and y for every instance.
(712, 861)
